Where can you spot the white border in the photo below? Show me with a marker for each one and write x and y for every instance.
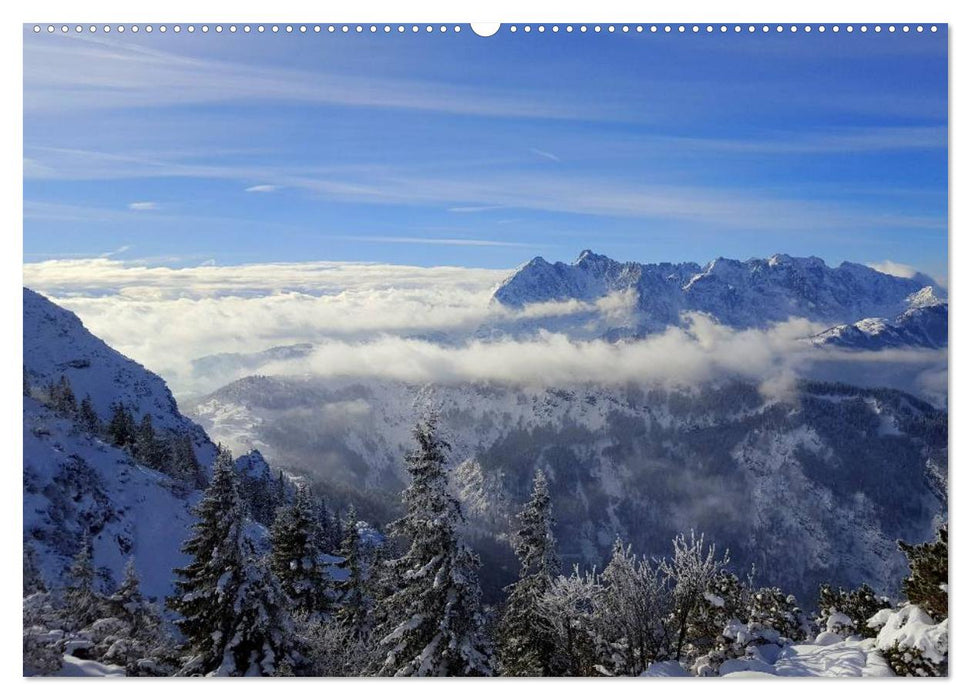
(439, 11)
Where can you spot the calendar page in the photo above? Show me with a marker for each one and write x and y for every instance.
(524, 350)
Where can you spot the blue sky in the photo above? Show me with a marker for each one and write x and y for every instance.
(459, 150)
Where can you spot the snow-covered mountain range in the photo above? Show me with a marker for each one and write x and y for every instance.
(742, 294)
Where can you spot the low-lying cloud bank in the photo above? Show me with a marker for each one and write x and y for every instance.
(427, 325)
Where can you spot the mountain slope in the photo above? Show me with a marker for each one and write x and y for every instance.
(57, 344)
(753, 293)
(77, 485)
(815, 487)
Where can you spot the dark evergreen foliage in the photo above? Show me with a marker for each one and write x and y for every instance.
(857, 605)
(87, 417)
(525, 646)
(121, 426)
(927, 584)
(33, 578)
(355, 602)
(295, 558)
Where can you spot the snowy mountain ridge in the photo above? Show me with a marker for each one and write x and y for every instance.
(922, 325)
(57, 344)
(741, 294)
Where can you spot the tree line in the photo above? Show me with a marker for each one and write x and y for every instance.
(165, 451)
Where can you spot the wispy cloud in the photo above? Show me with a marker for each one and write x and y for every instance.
(545, 154)
(840, 140)
(143, 206)
(116, 251)
(473, 210)
(474, 242)
(262, 188)
(560, 192)
(96, 73)
(898, 269)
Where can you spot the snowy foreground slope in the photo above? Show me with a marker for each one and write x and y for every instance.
(75, 486)
(810, 487)
(852, 658)
(78, 485)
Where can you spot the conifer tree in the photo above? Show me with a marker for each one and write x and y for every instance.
(121, 426)
(525, 646)
(434, 622)
(63, 399)
(149, 450)
(352, 592)
(927, 584)
(129, 605)
(33, 579)
(330, 538)
(88, 417)
(140, 640)
(280, 495)
(84, 603)
(231, 610)
(295, 559)
(26, 382)
(185, 468)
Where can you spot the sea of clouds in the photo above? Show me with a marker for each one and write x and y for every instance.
(427, 324)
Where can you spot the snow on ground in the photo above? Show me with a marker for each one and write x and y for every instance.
(75, 483)
(82, 668)
(849, 658)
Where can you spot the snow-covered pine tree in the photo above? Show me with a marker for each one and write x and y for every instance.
(295, 559)
(330, 538)
(62, 398)
(129, 605)
(926, 586)
(121, 426)
(33, 578)
(525, 645)
(847, 612)
(149, 450)
(434, 622)
(185, 468)
(88, 417)
(136, 638)
(262, 640)
(232, 614)
(84, 603)
(352, 593)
